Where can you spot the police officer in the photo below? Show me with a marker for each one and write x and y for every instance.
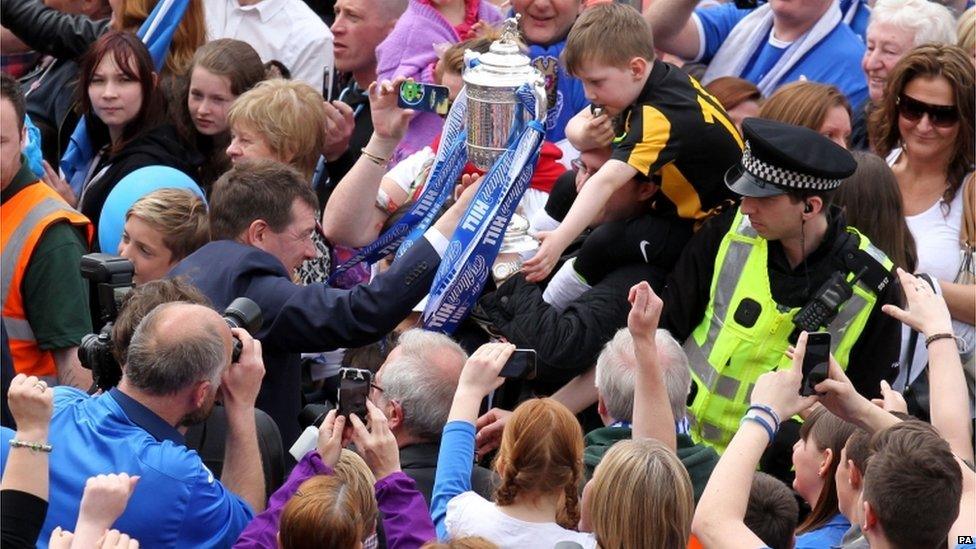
(784, 261)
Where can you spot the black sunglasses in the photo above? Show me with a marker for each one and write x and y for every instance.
(913, 110)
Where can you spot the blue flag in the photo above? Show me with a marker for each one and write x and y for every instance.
(157, 33)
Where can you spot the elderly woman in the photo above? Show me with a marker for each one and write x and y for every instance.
(896, 26)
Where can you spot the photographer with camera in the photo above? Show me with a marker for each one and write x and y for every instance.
(262, 216)
(45, 306)
(177, 362)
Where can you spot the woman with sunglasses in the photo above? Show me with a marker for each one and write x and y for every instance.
(925, 127)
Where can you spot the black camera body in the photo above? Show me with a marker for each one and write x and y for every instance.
(110, 279)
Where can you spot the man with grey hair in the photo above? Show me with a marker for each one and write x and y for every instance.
(615, 374)
(415, 388)
(178, 362)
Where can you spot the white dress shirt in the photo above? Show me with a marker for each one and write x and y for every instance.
(285, 30)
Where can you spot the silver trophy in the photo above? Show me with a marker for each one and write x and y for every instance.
(491, 87)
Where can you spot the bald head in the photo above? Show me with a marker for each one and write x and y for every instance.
(175, 346)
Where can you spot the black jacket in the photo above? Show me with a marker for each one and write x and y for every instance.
(568, 342)
(687, 293)
(419, 462)
(50, 88)
(159, 146)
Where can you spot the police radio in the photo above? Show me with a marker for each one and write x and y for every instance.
(826, 302)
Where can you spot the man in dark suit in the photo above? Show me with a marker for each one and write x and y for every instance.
(262, 217)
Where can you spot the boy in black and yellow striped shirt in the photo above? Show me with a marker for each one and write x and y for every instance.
(669, 128)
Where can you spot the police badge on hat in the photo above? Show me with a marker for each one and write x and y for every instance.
(779, 158)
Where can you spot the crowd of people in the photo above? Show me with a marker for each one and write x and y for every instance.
(742, 274)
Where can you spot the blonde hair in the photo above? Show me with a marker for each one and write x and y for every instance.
(803, 104)
(966, 31)
(288, 115)
(641, 496)
(189, 35)
(541, 453)
(179, 215)
(352, 469)
(608, 34)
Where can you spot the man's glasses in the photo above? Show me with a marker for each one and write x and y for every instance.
(579, 166)
(913, 110)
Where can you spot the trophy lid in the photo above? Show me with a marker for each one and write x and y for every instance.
(504, 65)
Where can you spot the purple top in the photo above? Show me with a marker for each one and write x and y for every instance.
(406, 520)
(409, 51)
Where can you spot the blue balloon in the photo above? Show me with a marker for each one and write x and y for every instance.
(130, 189)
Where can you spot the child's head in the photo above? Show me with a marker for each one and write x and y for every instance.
(162, 228)
(541, 454)
(850, 473)
(324, 513)
(641, 496)
(450, 66)
(815, 458)
(611, 51)
(772, 512)
(912, 487)
(220, 71)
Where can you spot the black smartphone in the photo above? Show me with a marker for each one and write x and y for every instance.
(816, 362)
(354, 385)
(424, 97)
(521, 365)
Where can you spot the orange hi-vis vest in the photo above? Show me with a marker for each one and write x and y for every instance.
(23, 219)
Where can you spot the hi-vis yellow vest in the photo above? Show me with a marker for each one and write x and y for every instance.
(726, 357)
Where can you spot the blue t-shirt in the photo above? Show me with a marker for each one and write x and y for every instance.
(564, 92)
(764, 60)
(862, 15)
(177, 502)
(828, 535)
(834, 60)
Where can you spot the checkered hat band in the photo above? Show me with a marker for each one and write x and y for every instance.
(783, 177)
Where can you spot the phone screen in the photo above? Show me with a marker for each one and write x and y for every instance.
(521, 365)
(354, 385)
(816, 361)
(424, 97)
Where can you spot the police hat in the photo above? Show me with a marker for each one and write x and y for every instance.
(781, 157)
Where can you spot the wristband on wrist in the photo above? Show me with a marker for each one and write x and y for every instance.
(765, 425)
(769, 411)
(942, 335)
(385, 203)
(375, 159)
(32, 446)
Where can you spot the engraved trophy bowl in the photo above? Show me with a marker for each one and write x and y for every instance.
(491, 85)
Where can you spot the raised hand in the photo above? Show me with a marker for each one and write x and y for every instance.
(490, 427)
(329, 445)
(31, 403)
(927, 311)
(780, 390)
(337, 128)
(376, 444)
(389, 120)
(645, 311)
(103, 501)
